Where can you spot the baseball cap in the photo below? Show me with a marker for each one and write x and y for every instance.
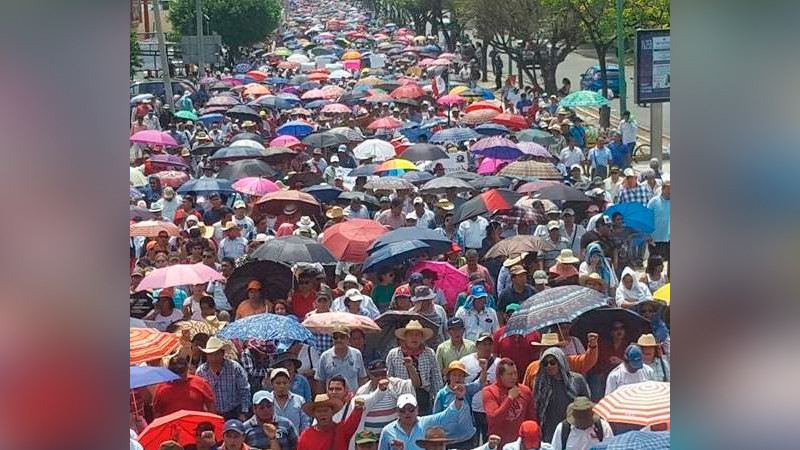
(239, 204)
(415, 277)
(455, 322)
(604, 219)
(260, 396)
(317, 151)
(483, 337)
(422, 293)
(377, 365)
(385, 199)
(633, 356)
(406, 399)
(568, 212)
(629, 172)
(279, 371)
(342, 148)
(233, 425)
(553, 225)
(512, 307)
(411, 216)
(334, 158)
(366, 437)
(418, 200)
(540, 277)
(517, 270)
(478, 291)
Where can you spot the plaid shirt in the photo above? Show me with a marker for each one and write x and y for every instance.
(253, 367)
(640, 194)
(231, 388)
(286, 433)
(323, 342)
(430, 373)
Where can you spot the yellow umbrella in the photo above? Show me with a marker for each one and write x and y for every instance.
(351, 55)
(458, 90)
(662, 293)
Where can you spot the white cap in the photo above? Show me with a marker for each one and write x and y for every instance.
(418, 200)
(406, 399)
(342, 148)
(334, 158)
(239, 204)
(629, 172)
(354, 295)
(411, 216)
(279, 371)
(553, 225)
(261, 237)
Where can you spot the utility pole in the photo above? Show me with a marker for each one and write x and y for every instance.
(162, 49)
(201, 65)
(621, 59)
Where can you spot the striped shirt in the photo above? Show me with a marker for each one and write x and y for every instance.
(384, 411)
(230, 386)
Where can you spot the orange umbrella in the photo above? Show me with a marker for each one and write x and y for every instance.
(151, 228)
(348, 241)
(256, 89)
(408, 91)
(510, 120)
(178, 426)
(147, 344)
(484, 104)
(257, 75)
(351, 55)
(386, 123)
(480, 116)
(288, 65)
(317, 76)
(643, 404)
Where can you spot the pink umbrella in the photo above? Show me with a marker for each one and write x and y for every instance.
(326, 322)
(449, 279)
(534, 149)
(331, 92)
(425, 62)
(255, 186)
(450, 100)
(233, 81)
(336, 108)
(173, 178)
(179, 275)
(154, 137)
(312, 94)
(490, 165)
(284, 141)
(353, 64)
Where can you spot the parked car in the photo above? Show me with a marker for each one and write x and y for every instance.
(156, 87)
(591, 79)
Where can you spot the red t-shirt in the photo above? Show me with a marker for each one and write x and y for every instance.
(302, 304)
(504, 415)
(518, 348)
(193, 394)
(335, 438)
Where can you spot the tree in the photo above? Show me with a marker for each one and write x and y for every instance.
(136, 51)
(240, 23)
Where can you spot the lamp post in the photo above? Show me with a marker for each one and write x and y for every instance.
(621, 59)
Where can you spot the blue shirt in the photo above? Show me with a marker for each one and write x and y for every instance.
(579, 135)
(351, 367)
(293, 411)
(301, 387)
(446, 396)
(451, 419)
(619, 154)
(523, 105)
(660, 207)
(599, 157)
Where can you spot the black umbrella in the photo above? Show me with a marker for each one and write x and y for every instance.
(206, 149)
(488, 182)
(324, 193)
(423, 152)
(561, 192)
(293, 249)
(600, 321)
(275, 278)
(435, 240)
(234, 153)
(417, 176)
(305, 179)
(138, 213)
(247, 168)
(388, 86)
(406, 101)
(368, 200)
(363, 171)
(324, 139)
(552, 306)
(353, 97)
(444, 184)
(243, 112)
(392, 320)
(248, 136)
(466, 176)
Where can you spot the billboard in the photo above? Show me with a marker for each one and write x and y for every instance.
(651, 66)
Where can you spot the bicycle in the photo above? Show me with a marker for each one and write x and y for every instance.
(642, 152)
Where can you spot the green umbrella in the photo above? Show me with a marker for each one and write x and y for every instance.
(583, 98)
(536, 135)
(283, 51)
(187, 115)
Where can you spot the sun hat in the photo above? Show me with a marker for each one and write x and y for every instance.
(553, 225)
(549, 340)
(647, 340)
(229, 225)
(156, 207)
(260, 396)
(445, 204)
(566, 257)
(511, 262)
(320, 401)
(284, 357)
(540, 277)
(423, 293)
(289, 209)
(354, 295)
(434, 435)
(334, 212)
(633, 356)
(414, 325)
(517, 270)
(581, 404)
(406, 399)
(366, 437)
(349, 278)
(305, 222)
(248, 123)
(214, 344)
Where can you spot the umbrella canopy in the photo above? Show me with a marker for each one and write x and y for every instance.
(462, 175)
(366, 199)
(516, 245)
(206, 186)
(488, 182)
(178, 275)
(395, 253)
(364, 171)
(348, 241)
(478, 117)
(437, 243)
(392, 320)
(488, 202)
(389, 123)
(140, 214)
(662, 293)
(562, 192)
(374, 148)
(147, 344)
(450, 100)
(484, 104)
(456, 135)
(514, 121)
(533, 186)
(179, 426)
(172, 178)
(324, 193)
(325, 323)
(645, 404)
(243, 112)
(293, 249)
(242, 142)
(276, 279)
(135, 193)
(388, 184)
(395, 167)
(151, 228)
(350, 134)
(492, 129)
(246, 169)
(267, 327)
(187, 115)
(423, 152)
(636, 440)
(519, 215)
(540, 137)
(531, 169)
(274, 203)
(336, 108)
(444, 184)
(602, 319)
(324, 139)
(297, 128)
(556, 305)
(285, 141)
(154, 137)
(410, 90)
(448, 278)
(635, 215)
(496, 147)
(147, 376)
(418, 177)
(534, 149)
(491, 165)
(206, 149)
(223, 100)
(235, 153)
(583, 98)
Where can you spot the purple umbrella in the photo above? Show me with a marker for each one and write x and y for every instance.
(172, 160)
(222, 100)
(154, 137)
(496, 147)
(291, 90)
(533, 149)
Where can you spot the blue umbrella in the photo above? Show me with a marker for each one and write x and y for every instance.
(395, 253)
(418, 176)
(492, 129)
(430, 123)
(136, 194)
(485, 93)
(276, 80)
(296, 128)
(456, 134)
(324, 193)
(271, 101)
(363, 171)
(291, 98)
(636, 440)
(206, 186)
(635, 216)
(267, 327)
(146, 375)
(141, 97)
(309, 85)
(556, 305)
(318, 103)
(435, 240)
(208, 119)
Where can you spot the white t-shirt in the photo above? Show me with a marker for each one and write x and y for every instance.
(163, 322)
(620, 377)
(194, 308)
(309, 358)
(580, 439)
(473, 232)
(473, 369)
(628, 131)
(571, 156)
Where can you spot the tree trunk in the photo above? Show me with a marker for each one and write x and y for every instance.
(601, 58)
(520, 63)
(484, 64)
(549, 77)
(532, 76)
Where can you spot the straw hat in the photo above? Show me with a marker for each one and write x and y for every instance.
(248, 124)
(320, 401)
(305, 222)
(445, 204)
(214, 345)
(647, 340)
(414, 325)
(229, 225)
(566, 257)
(549, 340)
(511, 262)
(434, 435)
(335, 212)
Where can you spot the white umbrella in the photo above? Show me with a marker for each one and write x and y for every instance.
(298, 58)
(334, 66)
(248, 143)
(340, 74)
(374, 148)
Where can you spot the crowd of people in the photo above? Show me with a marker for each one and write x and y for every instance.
(454, 371)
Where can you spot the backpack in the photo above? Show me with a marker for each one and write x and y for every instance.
(566, 428)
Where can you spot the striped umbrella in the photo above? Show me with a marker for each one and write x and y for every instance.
(351, 134)
(511, 120)
(583, 98)
(556, 305)
(385, 123)
(643, 404)
(636, 440)
(147, 344)
(151, 228)
(530, 169)
(394, 167)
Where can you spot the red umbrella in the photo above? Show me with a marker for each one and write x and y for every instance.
(450, 100)
(479, 116)
(147, 344)
(173, 178)
(312, 94)
(331, 92)
(510, 120)
(643, 404)
(317, 76)
(336, 108)
(385, 122)
(257, 75)
(178, 426)
(348, 241)
(408, 91)
(484, 104)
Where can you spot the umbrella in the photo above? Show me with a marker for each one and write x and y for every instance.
(206, 186)
(488, 202)
(392, 320)
(479, 116)
(285, 141)
(136, 194)
(276, 279)
(208, 119)
(662, 293)
(395, 253)
(304, 179)
(636, 440)
(457, 134)
(492, 129)
(324, 193)
(388, 123)
(496, 147)
(551, 306)
(168, 160)
(172, 178)
(137, 178)
(564, 193)
(533, 186)
(388, 184)
(411, 90)
(296, 128)
(200, 326)
(515, 121)
(147, 344)
(248, 136)
(349, 133)
(154, 137)
(449, 279)
(325, 323)
(140, 98)
(243, 112)
(246, 169)
(187, 115)
(518, 244)
(248, 143)
(324, 139)
(601, 320)
(178, 275)
(462, 175)
(444, 184)
(274, 203)
(277, 152)
(348, 241)
(142, 376)
(534, 149)
(635, 215)
(293, 249)
(645, 403)
(395, 167)
(531, 169)
(583, 98)
(223, 100)
(267, 327)
(484, 104)
(206, 149)
(363, 171)
(519, 215)
(423, 152)
(272, 101)
(535, 135)
(336, 108)
(235, 153)
(151, 228)
(450, 100)
(491, 165)
(488, 182)
(179, 426)
(140, 214)
(435, 240)
(418, 177)
(366, 199)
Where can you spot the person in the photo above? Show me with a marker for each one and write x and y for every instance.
(571, 154)
(164, 313)
(652, 358)
(474, 368)
(631, 190)
(455, 376)
(654, 277)
(254, 303)
(473, 231)
(410, 426)
(393, 217)
(565, 271)
(540, 281)
(556, 242)
(497, 69)
(366, 440)
(342, 360)
(507, 403)
(579, 362)
(330, 172)
(356, 210)
(631, 291)
(303, 296)
(422, 214)
(188, 392)
(476, 315)
(601, 234)
(227, 378)
(456, 347)
(611, 352)
(523, 104)
(519, 291)
(571, 231)
(384, 289)
(266, 427)
(217, 210)
(354, 302)
(203, 437)
(660, 236)
(554, 388)
(423, 305)
(582, 428)
(246, 224)
(619, 151)
(599, 158)
(448, 229)
(335, 214)
(325, 433)
(628, 128)
(472, 266)
(233, 435)
(632, 370)
(298, 384)
(613, 183)
(411, 359)
(169, 203)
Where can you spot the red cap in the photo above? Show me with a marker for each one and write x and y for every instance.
(402, 291)
(530, 434)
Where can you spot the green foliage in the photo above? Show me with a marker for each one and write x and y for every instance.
(238, 22)
(136, 60)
